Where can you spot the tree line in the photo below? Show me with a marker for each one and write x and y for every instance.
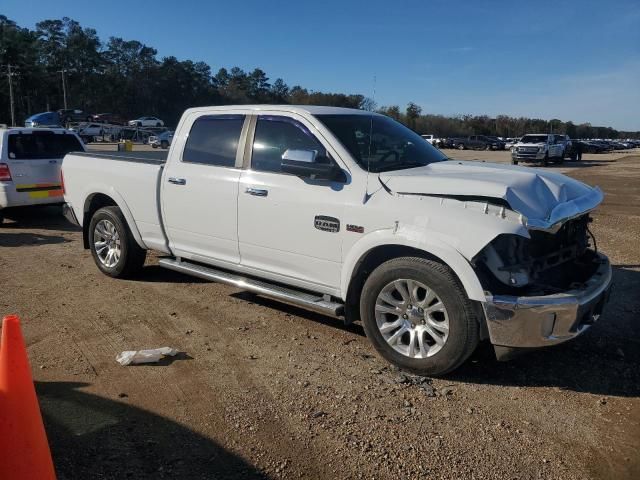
(127, 77)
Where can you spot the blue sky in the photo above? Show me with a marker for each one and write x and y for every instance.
(573, 60)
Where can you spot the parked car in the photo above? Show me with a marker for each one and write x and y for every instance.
(438, 255)
(430, 138)
(30, 161)
(112, 118)
(146, 122)
(510, 143)
(538, 148)
(71, 115)
(162, 140)
(477, 142)
(89, 131)
(45, 119)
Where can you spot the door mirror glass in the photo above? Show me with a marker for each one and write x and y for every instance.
(308, 156)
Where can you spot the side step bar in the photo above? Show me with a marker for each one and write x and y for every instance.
(310, 301)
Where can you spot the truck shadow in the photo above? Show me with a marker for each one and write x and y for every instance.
(8, 239)
(332, 322)
(603, 361)
(45, 218)
(96, 437)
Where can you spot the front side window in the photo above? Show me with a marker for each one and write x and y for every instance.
(379, 144)
(213, 140)
(274, 136)
(39, 145)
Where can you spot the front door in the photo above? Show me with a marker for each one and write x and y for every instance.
(287, 225)
(200, 191)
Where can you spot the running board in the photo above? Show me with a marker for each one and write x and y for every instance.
(315, 302)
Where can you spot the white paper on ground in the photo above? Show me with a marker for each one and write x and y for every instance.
(131, 357)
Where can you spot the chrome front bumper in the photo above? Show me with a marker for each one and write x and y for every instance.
(533, 322)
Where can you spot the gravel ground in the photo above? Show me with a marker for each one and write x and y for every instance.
(265, 390)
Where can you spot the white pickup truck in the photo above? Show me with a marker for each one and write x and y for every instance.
(539, 148)
(351, 214)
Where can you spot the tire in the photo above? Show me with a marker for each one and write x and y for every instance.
(514, 162)
(436, 358)
(154, 146)
(460, 146)
(131, 257)
(545, 160)
(488, 147)
(1, 218)
(164, 144)
(158, 124)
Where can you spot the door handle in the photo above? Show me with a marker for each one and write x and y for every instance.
(257, 192)
(178, 181)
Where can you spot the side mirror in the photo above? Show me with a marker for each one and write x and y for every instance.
(302, 163)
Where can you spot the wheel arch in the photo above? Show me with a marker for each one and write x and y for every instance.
(96, 201)
(365, 258)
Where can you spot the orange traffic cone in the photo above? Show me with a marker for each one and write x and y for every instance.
(24, 451)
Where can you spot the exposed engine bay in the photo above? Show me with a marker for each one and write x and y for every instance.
(544, 264)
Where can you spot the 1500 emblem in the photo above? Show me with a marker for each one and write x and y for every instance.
(327, 224)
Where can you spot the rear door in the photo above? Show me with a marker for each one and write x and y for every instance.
(200, 190)
(34, 159)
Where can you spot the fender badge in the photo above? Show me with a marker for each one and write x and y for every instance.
(327, 224)
(355, 228)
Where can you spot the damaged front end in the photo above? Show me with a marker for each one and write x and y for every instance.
(545, 289)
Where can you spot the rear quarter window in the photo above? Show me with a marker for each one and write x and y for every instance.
(37, 145)
(213, 140)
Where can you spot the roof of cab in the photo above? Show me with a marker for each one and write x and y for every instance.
(301, 109)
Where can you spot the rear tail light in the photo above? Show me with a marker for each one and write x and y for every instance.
(64, 192)
(5, 174)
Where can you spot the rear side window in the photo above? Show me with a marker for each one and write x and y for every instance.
(213, 140)
(37, 145)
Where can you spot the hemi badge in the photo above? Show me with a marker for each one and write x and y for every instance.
(355, 228)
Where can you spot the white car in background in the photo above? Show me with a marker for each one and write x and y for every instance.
(146, 122)
(30, 162)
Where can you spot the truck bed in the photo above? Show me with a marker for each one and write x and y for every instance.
(131, 180)
(156, 157)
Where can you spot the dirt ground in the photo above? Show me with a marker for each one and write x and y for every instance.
(266, 390)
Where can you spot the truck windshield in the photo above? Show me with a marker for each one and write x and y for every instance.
(380, 144)
(534, 139)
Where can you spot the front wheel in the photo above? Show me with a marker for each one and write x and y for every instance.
(112, 245)
(461, 146)
(418, 317)
(164, 144)
(514, 161)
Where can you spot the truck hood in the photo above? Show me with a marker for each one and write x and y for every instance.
(545, 198)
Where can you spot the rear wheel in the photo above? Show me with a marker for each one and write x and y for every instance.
(545, 160)
(417, 316)
(461, 146)
(112, 245)
(164, 144)
(158, 124)
(514, 161)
